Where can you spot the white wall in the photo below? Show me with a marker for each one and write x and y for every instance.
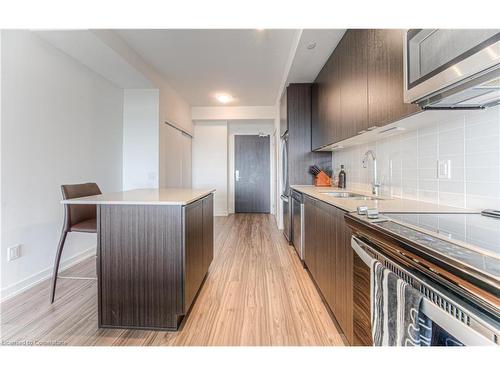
(175, 158)
(249, 128)
(210, 168)
(140, 139)
(61, 124)
(173, 108)
(408, 162)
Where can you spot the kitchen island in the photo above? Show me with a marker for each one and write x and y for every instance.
(154, 247)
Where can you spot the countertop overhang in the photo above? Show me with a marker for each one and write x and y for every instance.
(172, 197)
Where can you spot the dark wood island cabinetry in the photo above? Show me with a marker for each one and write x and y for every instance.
(154, 250)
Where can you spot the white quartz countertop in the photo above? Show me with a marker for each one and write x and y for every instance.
(386, 204)
(173, 197)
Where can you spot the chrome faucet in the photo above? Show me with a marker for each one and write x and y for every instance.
(375, 183)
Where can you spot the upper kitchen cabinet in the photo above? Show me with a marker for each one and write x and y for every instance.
(326, 104)
(360, 87)
(385, 78)
(353, 81)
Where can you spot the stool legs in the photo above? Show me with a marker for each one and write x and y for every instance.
(56, 264)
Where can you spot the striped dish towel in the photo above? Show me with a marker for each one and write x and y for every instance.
(395, 310)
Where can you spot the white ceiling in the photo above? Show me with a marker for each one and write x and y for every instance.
(252, 65)
(248, 64)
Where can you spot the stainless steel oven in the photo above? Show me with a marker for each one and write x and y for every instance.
(461, 322)
(452, 69)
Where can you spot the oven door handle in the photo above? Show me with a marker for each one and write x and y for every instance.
(358, 249)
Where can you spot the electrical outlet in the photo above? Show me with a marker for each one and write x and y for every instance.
(152, 176)
(444, 169)
(13, 252)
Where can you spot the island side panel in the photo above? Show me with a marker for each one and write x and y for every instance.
(194, 275)
(208, 231)
(140, 266)
(199, 246)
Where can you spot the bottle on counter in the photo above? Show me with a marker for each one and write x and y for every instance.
(342, 177)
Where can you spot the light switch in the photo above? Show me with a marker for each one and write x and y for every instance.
(13, 252)
(444, 169)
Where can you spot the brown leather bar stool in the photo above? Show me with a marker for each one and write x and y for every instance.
(77, 218)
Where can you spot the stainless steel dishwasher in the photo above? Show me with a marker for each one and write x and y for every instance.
(298, 223)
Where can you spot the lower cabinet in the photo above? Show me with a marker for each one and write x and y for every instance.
(329, 257)
(198, 246)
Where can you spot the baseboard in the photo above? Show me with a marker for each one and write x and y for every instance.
(29, 282)
(221, 213)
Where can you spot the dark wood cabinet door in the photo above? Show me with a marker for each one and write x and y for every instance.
(316, 136)
(324, 252)
(310, 237)
(353, 83)
(328, 256)
(193, 271)
(343, 273)
(334, 132)
(385, 77)
(326, 126)
(208, 232)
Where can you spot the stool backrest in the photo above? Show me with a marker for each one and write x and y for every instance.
(76, 213)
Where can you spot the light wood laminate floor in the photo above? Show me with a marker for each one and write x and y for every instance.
(256, 293)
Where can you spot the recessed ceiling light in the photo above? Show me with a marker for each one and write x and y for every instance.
(260, 29)
(224, 98)
(311, 45)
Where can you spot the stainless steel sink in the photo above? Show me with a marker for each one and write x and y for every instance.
(345, 194)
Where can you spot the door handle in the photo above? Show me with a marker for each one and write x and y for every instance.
(237, 175)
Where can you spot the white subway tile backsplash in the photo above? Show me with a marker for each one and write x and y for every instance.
(451, 199)
(480, 202)
(431, 185)
(452, 186)
(482, 144)
(451, 142)
(426, 162)
(479, 129)
(428, 196)
(428, 145)
(482, 159)
(408, 162)
(483, 174)
(485, 189)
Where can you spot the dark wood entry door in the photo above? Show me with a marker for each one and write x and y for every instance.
(252, 173)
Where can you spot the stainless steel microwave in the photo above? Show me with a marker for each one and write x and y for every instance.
(452, 69)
